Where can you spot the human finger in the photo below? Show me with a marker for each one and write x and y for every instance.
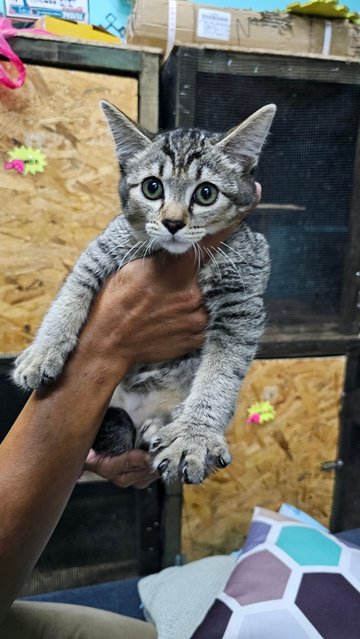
(108, 467)
(138, 479)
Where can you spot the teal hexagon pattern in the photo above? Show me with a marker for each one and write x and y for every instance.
(308, 547)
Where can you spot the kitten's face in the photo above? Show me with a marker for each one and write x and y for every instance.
(182, 185)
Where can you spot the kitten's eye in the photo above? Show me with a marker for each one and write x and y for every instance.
(205, 194)
(152, 188)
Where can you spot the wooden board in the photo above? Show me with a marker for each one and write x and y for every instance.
(47, 219)
(272, 463)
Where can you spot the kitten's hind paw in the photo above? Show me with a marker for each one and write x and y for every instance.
(38, 366)
(116, 434)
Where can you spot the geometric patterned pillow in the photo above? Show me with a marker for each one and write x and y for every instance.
(291, 581)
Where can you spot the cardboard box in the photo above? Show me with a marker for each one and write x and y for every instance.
(75, 29)
(166, 22)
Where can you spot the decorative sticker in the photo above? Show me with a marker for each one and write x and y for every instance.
(260, 413)
(26, 160)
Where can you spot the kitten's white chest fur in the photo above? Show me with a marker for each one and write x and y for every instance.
(140, 407)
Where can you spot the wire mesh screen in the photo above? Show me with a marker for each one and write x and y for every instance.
(306, 172)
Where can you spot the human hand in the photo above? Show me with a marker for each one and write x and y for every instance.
(133, 468)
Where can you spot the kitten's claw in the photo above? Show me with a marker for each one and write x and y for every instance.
(145, 427)
(218, 462)
(153, 423)
(222, 463)
(154, 446)
(162, 468)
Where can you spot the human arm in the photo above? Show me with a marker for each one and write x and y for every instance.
(44, 452)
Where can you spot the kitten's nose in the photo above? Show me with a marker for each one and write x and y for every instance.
(173, 225)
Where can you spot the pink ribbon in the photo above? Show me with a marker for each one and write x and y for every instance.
(8, 31)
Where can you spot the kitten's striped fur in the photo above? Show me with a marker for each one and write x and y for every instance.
(178, 409)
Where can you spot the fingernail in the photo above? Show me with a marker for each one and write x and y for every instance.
(92, 455)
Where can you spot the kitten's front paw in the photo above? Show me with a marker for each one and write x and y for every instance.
(189, 456)
(38, 365)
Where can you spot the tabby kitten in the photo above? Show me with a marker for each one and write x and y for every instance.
(175, 188)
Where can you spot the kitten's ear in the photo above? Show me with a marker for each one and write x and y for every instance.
(245, 141)
(128, 136)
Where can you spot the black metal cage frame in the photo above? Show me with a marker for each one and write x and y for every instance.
(178, 108)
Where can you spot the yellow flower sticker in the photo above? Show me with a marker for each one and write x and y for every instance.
(260, 413)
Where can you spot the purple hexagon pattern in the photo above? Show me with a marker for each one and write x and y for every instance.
(328, 600)
(217, 620)
(259, 577)
(259, 533)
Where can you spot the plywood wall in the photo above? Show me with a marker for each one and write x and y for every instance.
(272, 463)
(47, 219)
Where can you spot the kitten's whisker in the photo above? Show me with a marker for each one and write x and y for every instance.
(149, 247)
(134, 250)
(139, 249)
(214, 262)
(228, 258)
(232, 264)
(203, 253)
(197, 256)
(231, 248)
(201, 257)
(113, 248)
(129, 252)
